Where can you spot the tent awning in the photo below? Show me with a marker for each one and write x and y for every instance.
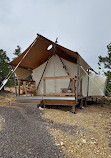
(39, 53)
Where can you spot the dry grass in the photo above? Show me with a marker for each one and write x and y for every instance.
(7, 97)
(92, 136)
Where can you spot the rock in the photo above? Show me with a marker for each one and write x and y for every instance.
(41, 108)
(109, 144)
(61, 143)
(92, 142)
(83, 141)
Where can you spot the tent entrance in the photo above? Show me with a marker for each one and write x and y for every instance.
(69, 91)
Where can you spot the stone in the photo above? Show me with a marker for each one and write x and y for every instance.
(61, 143)
(83, 141)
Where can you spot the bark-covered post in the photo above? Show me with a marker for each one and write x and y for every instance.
(77, 80)
(88, 84)
(14, 81)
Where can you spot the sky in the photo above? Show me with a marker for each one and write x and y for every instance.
(80, 25)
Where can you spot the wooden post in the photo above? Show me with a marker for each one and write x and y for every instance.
(73, 86)
(24, 83)
(73, 109)
(81, 87)
(88, 85)
(85, 104)
(102, 101)
(81, 103)
(44, 86)
(19, 87)
(14, 81)
(77, 81)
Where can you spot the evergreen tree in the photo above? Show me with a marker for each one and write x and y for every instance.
(17, 51)
(106, 62)
(4, 67)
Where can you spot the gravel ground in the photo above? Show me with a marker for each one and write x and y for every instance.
(24, 134)
(84, 135)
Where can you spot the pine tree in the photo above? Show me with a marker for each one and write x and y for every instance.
(4, 67)
(17, 51)
(106, 62)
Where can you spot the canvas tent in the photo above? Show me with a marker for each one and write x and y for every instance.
(46, 58)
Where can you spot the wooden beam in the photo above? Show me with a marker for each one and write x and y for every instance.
(26, 80)
(59, 94)
(44, 86)
(18, 87)
(81, 87)
(88, 84)
(59, 77)
(78, 76)
(73, 86)
(59, 102)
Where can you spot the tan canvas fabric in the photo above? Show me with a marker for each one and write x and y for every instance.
(22, 73)
(54, 68)
(39, 53)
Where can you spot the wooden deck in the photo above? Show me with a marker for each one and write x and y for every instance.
(46, 100)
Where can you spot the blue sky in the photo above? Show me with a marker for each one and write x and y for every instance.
(80, 25)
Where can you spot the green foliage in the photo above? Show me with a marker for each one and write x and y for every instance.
(17, 51)
(106, 61)
(5, 68)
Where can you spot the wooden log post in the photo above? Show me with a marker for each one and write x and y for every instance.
(14, 81)
(81, 103)
(73, 109)
(77, 80)
(73, 86)
(85, 103)
(81, 87)
(19, 87)
(25, 88)
(102, 101)
(88, 84)
(44, 86)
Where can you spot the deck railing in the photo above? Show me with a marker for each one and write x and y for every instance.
(24, 86)
(59, 94)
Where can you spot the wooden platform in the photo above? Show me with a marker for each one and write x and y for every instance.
(46, 100)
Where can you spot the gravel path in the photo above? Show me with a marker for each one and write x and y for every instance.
(24, 135)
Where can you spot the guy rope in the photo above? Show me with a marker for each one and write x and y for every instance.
(96, 84)
(12, 72)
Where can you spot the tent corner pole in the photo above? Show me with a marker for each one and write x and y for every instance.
(88, 85)
(77, 81)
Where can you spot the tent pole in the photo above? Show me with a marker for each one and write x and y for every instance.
(14, 81)
(77, 81)
(19, 81)
(88, 85)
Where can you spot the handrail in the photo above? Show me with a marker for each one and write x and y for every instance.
(59, 77)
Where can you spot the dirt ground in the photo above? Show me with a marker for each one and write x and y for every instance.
(86, 134)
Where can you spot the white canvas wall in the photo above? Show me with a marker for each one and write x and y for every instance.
(96, 85)
(54, 68)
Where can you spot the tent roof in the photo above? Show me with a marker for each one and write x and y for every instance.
(38, 53)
